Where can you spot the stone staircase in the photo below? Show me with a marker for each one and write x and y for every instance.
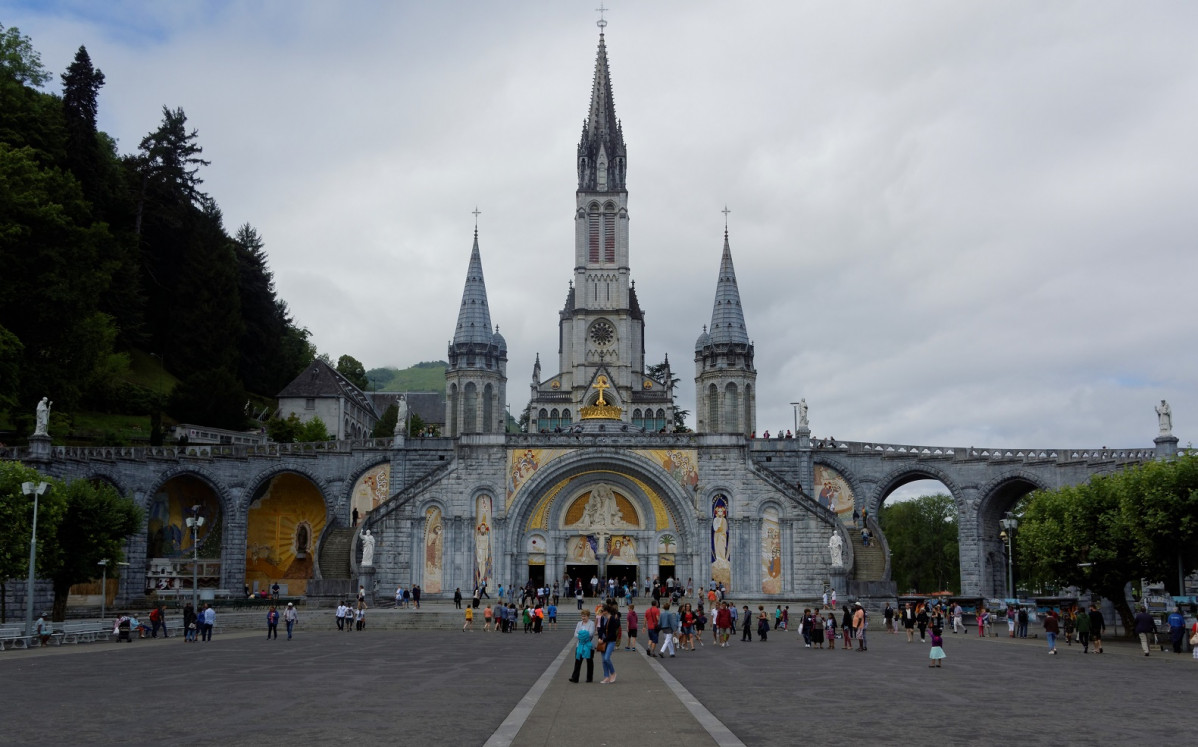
(334, 553)
(869, 562)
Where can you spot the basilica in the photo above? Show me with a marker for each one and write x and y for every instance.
(600, 483)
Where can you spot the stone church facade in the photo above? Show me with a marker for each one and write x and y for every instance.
(601, 484)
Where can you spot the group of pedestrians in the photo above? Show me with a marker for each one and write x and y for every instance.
(198, 625)
(603, 635)
(505, 617)
(290, 618)
(351, 616)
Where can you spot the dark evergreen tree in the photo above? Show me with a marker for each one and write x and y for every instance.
(352, 369)
(80, 92)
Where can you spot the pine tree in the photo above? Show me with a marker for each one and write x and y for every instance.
(81, 85)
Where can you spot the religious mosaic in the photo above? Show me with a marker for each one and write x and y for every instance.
(523, 464)
(721, 563)
(434, 543)
(282, 528)
(581, 550)
(372, 489)
(483, 562)
(834, 491)
(771, 552)
(168, 534)
(621, 550)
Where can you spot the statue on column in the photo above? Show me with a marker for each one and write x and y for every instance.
(803, 412)
(367, 548)
(1163, 414)
(836, 550)
(42, 423)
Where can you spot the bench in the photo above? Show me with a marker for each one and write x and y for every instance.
(85, 632)
(13, 636)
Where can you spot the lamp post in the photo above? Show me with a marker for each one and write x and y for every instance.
(35, 490)
(795, 405)
(1009, 524)
(103, 587)
(194, 522)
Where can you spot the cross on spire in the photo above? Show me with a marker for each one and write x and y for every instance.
(601, 23)
(476, 212)
(725, 211)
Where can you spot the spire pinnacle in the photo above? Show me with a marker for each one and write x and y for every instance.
(474, 316)
(727, 316)
(601, 151)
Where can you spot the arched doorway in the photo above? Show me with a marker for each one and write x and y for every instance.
(170, 548)
(917, 527)
(998, 533)
(283, 525)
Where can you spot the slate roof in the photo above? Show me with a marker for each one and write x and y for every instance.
(727, 316)
(320, 379)
(430, 406)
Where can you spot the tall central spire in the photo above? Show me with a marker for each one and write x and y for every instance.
(601, 152)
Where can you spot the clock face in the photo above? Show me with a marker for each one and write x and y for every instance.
(602, 333)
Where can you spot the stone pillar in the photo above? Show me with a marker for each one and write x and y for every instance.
(971, 544)
(1166, 446)
(40, 451)
(460, 577)
(366, 580)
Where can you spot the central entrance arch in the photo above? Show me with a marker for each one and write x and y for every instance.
(601, 513)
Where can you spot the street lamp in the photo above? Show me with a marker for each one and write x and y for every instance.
(194, 522)
(1009, 524)
(35, 490)
(103, 587)
(795, 405)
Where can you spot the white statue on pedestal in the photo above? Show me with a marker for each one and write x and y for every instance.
(1165, 416)
(42, 425)
(836, 549)
(401, 416)
(367, 548)
(803, 413)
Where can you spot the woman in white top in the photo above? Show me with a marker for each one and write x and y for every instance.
(584, 646)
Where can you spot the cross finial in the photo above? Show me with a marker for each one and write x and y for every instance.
(601, 384)
(725, 211)
(476, 213)
(601, 23)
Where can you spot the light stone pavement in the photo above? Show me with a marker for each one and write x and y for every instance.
(418, 687)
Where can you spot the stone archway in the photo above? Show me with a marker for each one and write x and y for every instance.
(990, 561)
(543, 505)
(286, 515)
(170, 551)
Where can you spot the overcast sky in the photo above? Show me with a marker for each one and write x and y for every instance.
(953, 223)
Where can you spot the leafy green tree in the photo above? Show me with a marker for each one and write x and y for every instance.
(352, 369)
(95, 525)
(19, 61)
(55, 261)
(313, 430)
(1138, 523)
(922, 534)
(283, 430)
(16, 523)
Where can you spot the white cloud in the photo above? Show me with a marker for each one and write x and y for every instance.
(953, 223)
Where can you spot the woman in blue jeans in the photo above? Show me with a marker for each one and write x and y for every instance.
(610, 635)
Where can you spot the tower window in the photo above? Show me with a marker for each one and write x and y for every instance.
(593, 220)
(609, 237)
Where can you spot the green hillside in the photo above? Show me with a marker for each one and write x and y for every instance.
(428, 376)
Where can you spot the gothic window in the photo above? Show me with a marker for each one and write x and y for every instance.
(733, 400)
(749, 426)
(637, 420)
(567, 418)
(543, 419)
(609, 234)
(661, 420)
(554, 419)
(593, 221)
(453, 410)
(470, 409)
(713, 409)
(488, 415)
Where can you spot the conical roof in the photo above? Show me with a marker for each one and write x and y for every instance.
(474, 317)
(601, 132)
(727, 316)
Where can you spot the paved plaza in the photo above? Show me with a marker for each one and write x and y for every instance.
(440, 687)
